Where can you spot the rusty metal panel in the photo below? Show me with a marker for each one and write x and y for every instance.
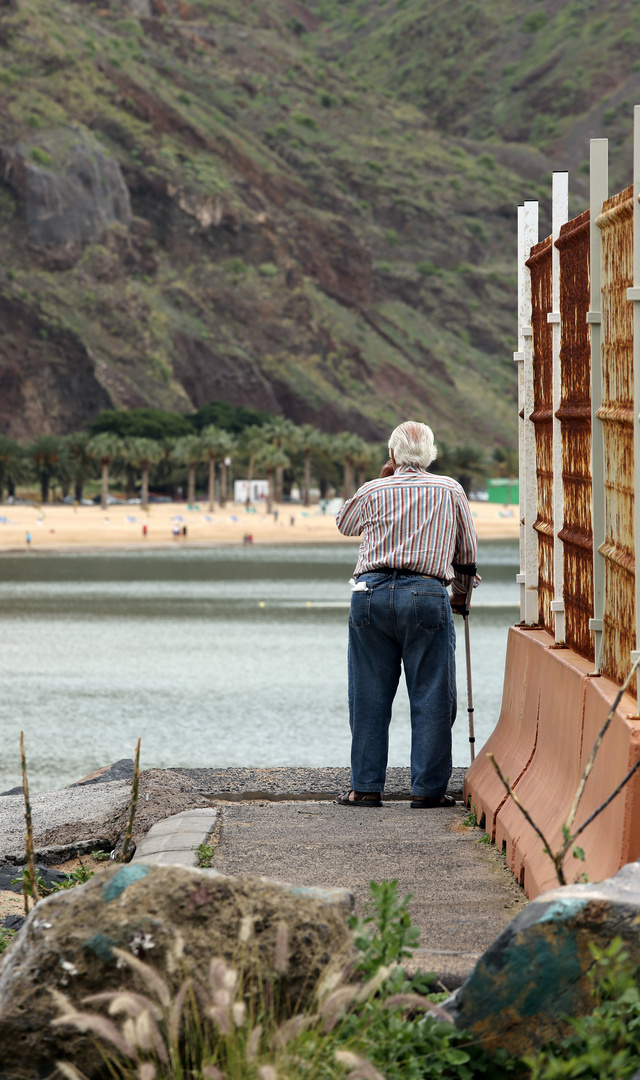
(539, 264)
(575, 421)
(616, 413)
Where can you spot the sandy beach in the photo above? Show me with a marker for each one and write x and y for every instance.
(59, 527)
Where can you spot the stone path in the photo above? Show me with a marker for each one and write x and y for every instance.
(175, 840)
(283, 824)
(463, 894)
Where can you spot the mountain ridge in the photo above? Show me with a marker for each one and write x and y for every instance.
(297, 239)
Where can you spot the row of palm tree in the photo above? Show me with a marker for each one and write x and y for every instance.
(268, 450)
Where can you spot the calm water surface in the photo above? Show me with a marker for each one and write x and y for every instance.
(216, 657)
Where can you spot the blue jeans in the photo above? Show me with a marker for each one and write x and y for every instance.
(401, 619)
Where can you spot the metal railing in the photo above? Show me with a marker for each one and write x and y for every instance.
(579, 430)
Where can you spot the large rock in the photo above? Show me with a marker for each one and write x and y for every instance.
(73, 190)
(536, 972)
(177, 919)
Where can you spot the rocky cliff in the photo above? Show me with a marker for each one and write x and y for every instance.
(200, 200)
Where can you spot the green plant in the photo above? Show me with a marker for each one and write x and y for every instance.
(379, 1024)
(486, 839)
(426, 267)
(604, 1045)
(74, 877)
(385, 934)
(24, 879)
(6, 937)
(40, 156)
(268, 270)
(100, 856)
(235, 266)
(471, 820)
(305, 121)
(534, 21)
(205, 853)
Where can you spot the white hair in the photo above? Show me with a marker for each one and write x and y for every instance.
(412, 444)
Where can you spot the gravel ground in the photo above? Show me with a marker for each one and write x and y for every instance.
(463, 893)
(98, 811)
(283, 782)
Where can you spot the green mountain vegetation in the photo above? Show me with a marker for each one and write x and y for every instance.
(306, 209)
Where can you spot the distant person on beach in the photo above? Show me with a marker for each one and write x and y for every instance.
(176, 532)
(144, 531)
(414, 525)
(28, 539)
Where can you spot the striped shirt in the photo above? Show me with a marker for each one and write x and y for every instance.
(413, 520)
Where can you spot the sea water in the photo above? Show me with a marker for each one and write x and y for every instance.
(228, 656)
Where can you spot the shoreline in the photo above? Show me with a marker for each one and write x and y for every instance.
(61, 529)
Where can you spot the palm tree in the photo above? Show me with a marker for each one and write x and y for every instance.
(48, 458)
(11, 464)
(469, 463)
(270, 458)
(189, 451)
(142, 454)
(253, 440)
(210, 441)
(82, 461)
(281, 432)
(349, 447)
(227, 446)
(308, 439)
(105, 447)
(363, 462)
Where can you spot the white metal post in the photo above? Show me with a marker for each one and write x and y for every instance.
(519, 360)
(559, 215)
(530, 238)
(634, 295)
(598, 192)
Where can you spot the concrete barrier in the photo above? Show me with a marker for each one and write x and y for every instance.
(614, 837)
(553, 708)
(513, 740)
(549, 783)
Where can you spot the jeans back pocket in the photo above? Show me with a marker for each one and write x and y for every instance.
(360, 610)
(429, 605)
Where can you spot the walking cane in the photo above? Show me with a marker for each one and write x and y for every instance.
(469, 570)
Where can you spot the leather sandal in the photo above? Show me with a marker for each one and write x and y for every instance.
(360, 798)
(423, 802)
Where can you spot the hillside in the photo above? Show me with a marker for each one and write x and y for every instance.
(271, 204)
(546, 76)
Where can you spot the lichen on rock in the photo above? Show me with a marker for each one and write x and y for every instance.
(176, 918)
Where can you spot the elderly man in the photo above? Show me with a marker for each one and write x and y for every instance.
(414, 525)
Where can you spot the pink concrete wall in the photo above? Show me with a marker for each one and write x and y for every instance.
(553, 707)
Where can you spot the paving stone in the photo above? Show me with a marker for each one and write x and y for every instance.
(173, 841)
(191, 821)
(167, 858)
(178, 841)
